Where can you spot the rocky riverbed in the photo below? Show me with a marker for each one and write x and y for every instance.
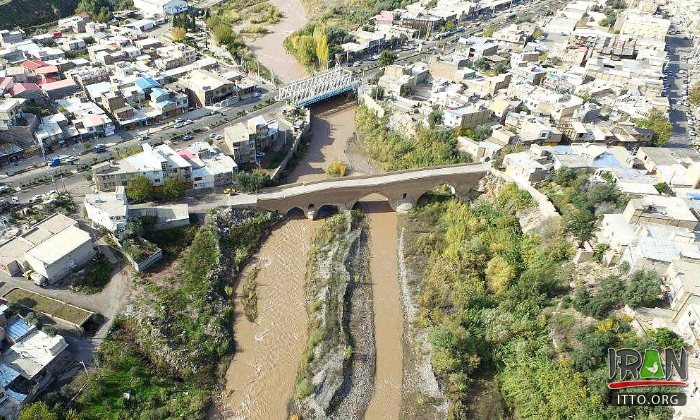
(335, 377)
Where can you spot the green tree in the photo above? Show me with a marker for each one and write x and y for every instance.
(667, 338)
(306, 50)
(38, 411)
(139, 189)
(489, 30)
(659, 123)
(322, 50)
(481, 64)
(435, 117)
(694, 94)
(499, 68)
(644, 289)
(387, 57)
(173, 188)
(253, 181)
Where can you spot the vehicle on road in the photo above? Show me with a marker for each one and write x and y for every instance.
(187, 137)
(56, 161)
(14, 200)
(100, 148)
(35, 198)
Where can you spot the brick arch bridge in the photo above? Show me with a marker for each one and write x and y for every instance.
(402, 189)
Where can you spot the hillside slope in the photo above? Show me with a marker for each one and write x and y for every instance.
(34, 12)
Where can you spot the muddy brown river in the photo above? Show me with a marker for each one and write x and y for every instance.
(388, 313)
(332, 126)
(270, 49)
(260, 378)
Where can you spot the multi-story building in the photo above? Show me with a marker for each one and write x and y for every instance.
(210, 168)
(244, 140)
(642, 25)
(109, 210)
(207, 88)
(10, 111)
(154, 163)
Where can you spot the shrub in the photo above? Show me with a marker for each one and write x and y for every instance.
(336, 169)
(304, 388)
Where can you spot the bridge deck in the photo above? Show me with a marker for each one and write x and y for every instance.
(363, 181)
(318, 87)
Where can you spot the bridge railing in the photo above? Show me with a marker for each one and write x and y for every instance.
(318, 87)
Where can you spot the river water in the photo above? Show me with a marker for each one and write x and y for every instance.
(260, 378)
(388, 313)
(332, 126)
(270, 49)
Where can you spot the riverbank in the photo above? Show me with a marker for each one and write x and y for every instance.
(421, 395)
(260, 377)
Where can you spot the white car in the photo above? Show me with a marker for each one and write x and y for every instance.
(35, 199)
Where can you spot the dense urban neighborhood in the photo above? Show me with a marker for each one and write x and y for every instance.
(296, 209)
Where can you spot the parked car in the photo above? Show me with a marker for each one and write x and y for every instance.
(38, 279)
(100, 148)
(187, 137)
(14, 200)
(56, 161)
(35, 198)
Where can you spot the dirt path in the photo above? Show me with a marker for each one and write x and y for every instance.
(388, 314)
(260, 378)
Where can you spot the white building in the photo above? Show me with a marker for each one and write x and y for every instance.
(154, 163)
(210, 168)
(61, 254)
(108, 209)
(160, 7)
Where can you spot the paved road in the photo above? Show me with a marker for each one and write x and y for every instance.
(77, 183)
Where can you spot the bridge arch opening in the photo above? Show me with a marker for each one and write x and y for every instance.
(374, 203)
(296, 213)
(439, 193)
(327, 210)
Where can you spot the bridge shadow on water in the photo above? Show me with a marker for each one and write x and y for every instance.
(374, 205)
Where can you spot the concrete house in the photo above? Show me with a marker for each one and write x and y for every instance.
(108, 210)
